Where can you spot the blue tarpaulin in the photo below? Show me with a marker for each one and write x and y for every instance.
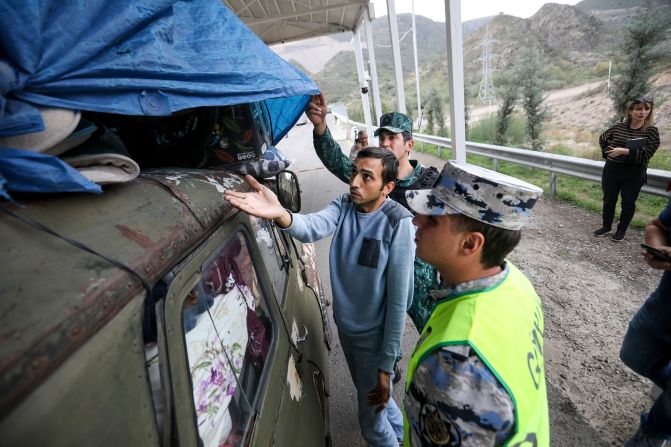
(137, 57)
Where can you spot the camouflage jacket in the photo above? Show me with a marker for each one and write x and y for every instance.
(455, 397)
(426, 277)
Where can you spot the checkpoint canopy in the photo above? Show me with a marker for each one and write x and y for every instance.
(137, 57)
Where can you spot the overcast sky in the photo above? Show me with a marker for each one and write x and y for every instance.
(470, 9)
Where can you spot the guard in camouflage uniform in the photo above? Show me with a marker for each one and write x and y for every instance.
(395, 134)
(476, 376)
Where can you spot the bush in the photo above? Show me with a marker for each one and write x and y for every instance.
(355, 113)
(484, 131)
(661, 160)
(601, 69)
(561, 149)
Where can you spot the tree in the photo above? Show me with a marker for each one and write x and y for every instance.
(430, 118)
(531, 80)
(467, 118)
(638, 56)
(437, 106)
(434, 113)
(508, 91)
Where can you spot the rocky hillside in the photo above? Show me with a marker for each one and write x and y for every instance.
(560, 27)
(575, 42)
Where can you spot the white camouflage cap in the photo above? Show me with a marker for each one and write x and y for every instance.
(479, 193)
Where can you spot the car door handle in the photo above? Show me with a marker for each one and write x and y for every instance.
(302, 338)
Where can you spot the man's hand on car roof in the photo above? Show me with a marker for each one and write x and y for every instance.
(261, 202)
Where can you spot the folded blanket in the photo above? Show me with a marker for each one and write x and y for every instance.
(103, 161)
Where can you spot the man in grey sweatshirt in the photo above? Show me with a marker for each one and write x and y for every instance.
(371, 259)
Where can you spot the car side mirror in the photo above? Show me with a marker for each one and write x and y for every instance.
(288, 191)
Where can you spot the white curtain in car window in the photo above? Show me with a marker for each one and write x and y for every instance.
(215, 360)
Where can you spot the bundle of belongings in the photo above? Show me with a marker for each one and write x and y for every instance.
(235, 138)
(109, 148)
(99, 156)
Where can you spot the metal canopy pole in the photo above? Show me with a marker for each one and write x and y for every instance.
(455, 62)
(365, 102)
(396, 51)
(414, 43)
(375, 86)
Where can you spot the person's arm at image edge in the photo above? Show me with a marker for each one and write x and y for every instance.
(657, 235)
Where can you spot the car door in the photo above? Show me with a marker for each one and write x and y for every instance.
(305, 397)
(230, 360)
(225, 348)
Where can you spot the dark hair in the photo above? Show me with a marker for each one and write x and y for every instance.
(498, 241)
(389, 161)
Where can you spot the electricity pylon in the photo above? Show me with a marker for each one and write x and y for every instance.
(487, 94)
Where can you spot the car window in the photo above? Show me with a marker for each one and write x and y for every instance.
(273, 251)
(228, 333)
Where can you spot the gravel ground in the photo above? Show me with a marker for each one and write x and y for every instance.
(590, 288)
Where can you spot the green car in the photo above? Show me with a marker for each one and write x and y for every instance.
(157, 314)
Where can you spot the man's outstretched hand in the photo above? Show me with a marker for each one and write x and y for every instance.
(379, 396)
(261, 202)
(316, 112)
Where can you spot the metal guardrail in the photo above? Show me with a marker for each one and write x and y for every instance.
(658, 180)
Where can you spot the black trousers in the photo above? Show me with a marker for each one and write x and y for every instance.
(646, 349)
(627, 180)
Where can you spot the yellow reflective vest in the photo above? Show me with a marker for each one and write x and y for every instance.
(504, 325)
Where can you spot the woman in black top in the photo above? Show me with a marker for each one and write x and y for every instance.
(627, 158)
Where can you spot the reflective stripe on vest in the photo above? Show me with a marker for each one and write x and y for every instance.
(504, 325)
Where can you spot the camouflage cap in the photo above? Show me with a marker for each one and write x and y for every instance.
(394, 122)
(479, 193)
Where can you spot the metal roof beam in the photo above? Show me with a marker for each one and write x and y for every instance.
(301, 14)
(363, 83)
(246, 6)
(396, 55)
(455, 61)
(375, 86)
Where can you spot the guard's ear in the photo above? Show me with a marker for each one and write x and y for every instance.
(472, 243)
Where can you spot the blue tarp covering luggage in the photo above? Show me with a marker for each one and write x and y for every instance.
(136, 57)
